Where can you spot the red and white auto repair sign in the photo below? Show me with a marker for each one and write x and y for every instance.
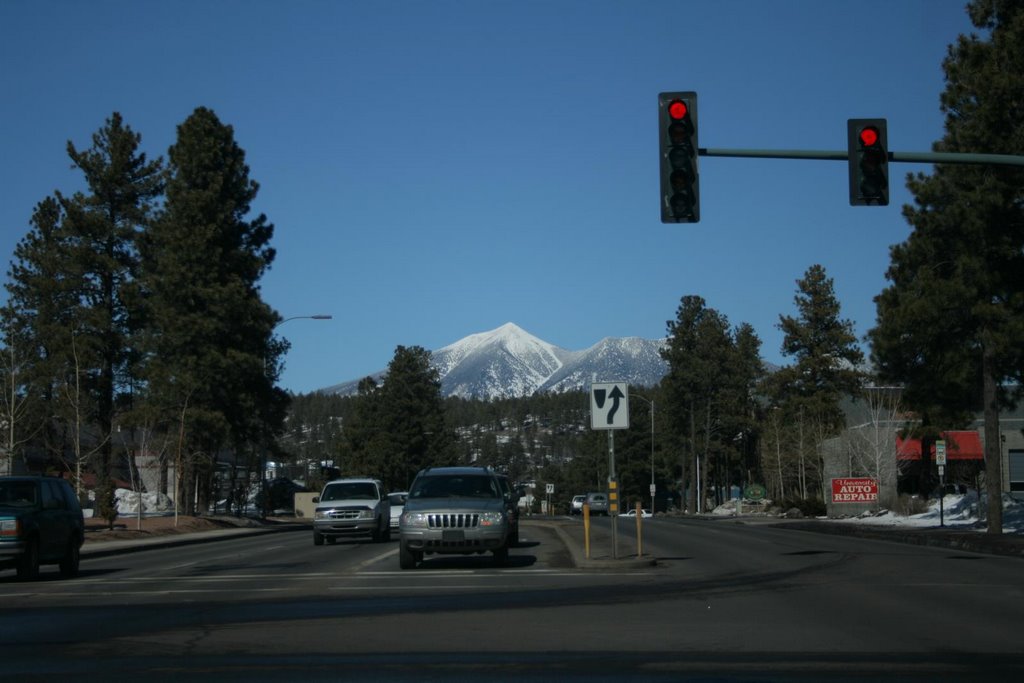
(855, 490)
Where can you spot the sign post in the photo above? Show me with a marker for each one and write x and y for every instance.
(609, 409)
(940, 460)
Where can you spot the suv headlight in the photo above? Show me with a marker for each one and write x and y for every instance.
(492, 518)
(367, 514)
(414, 520)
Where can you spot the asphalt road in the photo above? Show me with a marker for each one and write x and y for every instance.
(721, 602)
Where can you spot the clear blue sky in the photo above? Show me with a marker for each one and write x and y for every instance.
(436, 169)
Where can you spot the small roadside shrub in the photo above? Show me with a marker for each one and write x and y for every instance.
(907, 505)
(809, 507)
(106, 502)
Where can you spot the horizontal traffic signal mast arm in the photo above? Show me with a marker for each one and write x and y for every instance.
(844, 155)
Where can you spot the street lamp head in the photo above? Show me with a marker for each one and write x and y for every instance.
(318, 316)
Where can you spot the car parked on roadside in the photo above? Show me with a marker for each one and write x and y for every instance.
(631, 513)
(454, 510)
(353, 507)
(397, 500)
(576, 506)
(41, 522)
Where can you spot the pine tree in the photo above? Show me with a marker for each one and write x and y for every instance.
(809, 392)
(85, 245)
(400, 426)
(951, 324)
(749, 374)
(707, 391)
(208, 339)
(37, 325)
(415, 414)
(825, 349)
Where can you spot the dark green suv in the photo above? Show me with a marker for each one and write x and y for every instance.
(40, 523)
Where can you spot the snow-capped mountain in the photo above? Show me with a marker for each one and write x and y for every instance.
(510, 362)
(507, 361)
(631, 359)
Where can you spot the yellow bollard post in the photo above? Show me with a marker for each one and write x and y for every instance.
(639, 532)
(586, 530)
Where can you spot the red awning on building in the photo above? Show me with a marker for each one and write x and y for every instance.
(959, 446)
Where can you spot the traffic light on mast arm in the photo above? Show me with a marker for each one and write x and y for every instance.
(680, 178)
(868, 147)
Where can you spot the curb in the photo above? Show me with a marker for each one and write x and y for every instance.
(975, 542)
(108, 548)
(579, 558)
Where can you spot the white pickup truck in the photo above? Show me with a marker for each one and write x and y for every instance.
(348, 508)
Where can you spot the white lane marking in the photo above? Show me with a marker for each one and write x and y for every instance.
(432, 587)
(222, 577)
(183, 566)
(182, 591)
(374, 560)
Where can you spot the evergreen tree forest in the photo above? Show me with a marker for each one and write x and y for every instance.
(134, 321)
(700, 430)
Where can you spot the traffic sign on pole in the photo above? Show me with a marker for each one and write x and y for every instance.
(609, 405)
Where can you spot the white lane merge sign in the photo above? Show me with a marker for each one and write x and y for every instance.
(609, 405)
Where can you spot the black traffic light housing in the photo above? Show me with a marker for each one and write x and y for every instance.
(680, 177)
(868, 146)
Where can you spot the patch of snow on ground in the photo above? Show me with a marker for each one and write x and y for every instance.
(958, 511)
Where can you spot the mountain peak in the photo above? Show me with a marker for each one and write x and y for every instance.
(508, 362)
(508, 331)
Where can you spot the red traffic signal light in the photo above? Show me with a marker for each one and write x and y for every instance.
(868, 136)
(680, 179)
(867, 146)
(677, 109)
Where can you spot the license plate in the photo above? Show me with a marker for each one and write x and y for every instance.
(453, 535)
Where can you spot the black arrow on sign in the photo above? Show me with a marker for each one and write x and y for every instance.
(614, 396)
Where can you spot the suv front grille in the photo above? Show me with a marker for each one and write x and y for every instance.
(468, 520)
(344, 514)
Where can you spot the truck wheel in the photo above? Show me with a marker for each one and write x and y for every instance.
(71, 560)
(28, 564)
(318, 539)
(501, 556)
(406, 557)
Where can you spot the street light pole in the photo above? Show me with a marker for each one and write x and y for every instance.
(263, 465)
(650, 402)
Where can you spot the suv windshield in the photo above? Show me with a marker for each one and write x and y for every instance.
(455, 486)
(350, 491)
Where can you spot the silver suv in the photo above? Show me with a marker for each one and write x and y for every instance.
(349, 508)
(598, 503)
(453, 510)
